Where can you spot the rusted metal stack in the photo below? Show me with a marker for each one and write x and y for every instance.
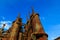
(33, 29)
(38, 31)
(14, 34)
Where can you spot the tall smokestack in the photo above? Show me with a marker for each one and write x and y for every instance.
(37, 26)
(15, 29)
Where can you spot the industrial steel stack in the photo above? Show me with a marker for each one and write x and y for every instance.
(33, 29)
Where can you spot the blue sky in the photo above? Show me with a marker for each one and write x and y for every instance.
(49, 11)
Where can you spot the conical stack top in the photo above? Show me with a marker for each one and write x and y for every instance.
(36, 24)
(18, 17)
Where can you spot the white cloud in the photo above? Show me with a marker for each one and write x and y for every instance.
(5, 22)
(8, 24)
(52, 37)
(53, 31)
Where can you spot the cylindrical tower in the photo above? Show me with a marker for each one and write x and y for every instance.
(38, 30)
(14, 34)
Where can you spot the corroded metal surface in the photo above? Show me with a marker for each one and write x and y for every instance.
(33, 30)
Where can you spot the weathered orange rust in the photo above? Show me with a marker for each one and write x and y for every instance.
(33, 30)
(15, 30)
(36, 24)
(28, 30)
